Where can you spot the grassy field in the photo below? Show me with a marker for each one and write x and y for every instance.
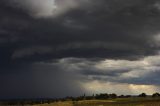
(113, 102)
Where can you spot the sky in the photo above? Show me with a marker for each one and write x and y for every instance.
(58, 48)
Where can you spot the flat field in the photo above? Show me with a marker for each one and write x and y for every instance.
(112, 102)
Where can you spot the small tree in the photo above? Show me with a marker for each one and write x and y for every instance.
(113, 95)
(121, 96)
(156, 95)
(143, 95)
(102, 96)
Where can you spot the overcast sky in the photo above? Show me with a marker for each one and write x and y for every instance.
(58, 48)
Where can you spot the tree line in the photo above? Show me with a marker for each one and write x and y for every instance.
(101, 96)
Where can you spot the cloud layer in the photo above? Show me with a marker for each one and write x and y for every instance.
(136, 76)
(104, 42)
(47, 8)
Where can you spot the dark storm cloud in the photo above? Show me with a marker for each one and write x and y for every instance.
(112, 29)
(89, 31)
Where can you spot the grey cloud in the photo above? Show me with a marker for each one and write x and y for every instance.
(48, 8)
(31, 51)
(79, 40)
(142, 71)
(125, 32)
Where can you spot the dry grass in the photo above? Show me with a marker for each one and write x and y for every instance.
(122, 102)
(113, 102)
(69, 103)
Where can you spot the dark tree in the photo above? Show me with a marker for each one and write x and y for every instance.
(121, 96)
(156, 95)
(113, 95)
(142, 95)
(102, 96)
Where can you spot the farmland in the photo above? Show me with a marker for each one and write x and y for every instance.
(112, 102)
